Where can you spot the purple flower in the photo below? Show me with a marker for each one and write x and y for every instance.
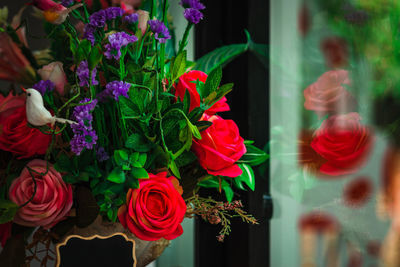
(114, 90)
(160, 30)
(192, 4)
(66, 3)
(113, 12)
(84, 134)
(83, 74)
(44, 86)
(116, 42)
(89, 33)
(102, 154)
(132, 18)
(98, 19)
(193, 15)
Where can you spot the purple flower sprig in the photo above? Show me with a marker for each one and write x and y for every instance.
(44, 86)
(84, 134)
(159, 29)
(132, 18)
(99, 19)
(117, 41)
(114, 90)
(83, 74)
(192, 10)
(196, 4)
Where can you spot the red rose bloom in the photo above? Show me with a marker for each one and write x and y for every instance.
(155, 210)
(188, 82)
(343, 142)
(220, 147)
(328, 95)
(15, 134)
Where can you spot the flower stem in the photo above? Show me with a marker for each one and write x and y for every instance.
(183, 42)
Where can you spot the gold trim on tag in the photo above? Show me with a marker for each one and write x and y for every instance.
(91, 238)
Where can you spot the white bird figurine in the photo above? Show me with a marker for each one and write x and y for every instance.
(36, 113)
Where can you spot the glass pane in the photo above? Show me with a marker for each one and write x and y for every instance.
(334, 133)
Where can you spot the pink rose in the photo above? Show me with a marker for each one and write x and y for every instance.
(327, 94)
(143, 18)
(55, 73)
(155, 210)
(52, 201)
(220, 147)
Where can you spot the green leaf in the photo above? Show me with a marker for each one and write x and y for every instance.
(95, 57)
(228, 192)
(202, 125)
(84, 176)
(128, 108)
(120, 157)
(70, 179)
(215, 96)
(178, 66)
(196, 114)
(186, 102)
(246, 177)
(138, 143)
(220, 57)
(142, 159)
(7, 210)
(117, 176)
(132, 182)
(253, 156)
(139, 173)
(210, 183)
(83, 50)
(212, 82)
(174, 169)
(63, 164)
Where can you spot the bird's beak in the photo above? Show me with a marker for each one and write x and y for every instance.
(23, 89)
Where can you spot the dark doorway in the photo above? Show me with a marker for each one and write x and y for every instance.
(224, 23)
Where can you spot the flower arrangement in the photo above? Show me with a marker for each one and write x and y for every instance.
(116, 124)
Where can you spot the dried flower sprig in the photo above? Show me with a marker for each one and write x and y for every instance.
(217, 212)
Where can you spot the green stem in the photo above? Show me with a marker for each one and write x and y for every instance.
(183, 42)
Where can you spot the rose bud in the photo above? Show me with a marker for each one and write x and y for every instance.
(53, 12)
(143, 18)
(187, 82)
(55, 73)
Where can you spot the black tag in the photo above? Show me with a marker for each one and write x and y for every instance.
(97, 251)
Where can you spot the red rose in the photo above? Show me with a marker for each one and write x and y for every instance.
(220, 147)
(343, 142)
(155, 210)
(15, 135)
(188, 82)
(327, 94)
(52, 201)
(5, 233)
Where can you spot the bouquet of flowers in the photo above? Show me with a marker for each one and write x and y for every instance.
(114, 123)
